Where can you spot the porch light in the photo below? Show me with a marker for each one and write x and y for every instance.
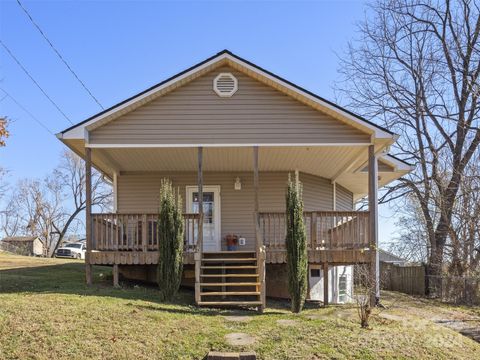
(238, 184)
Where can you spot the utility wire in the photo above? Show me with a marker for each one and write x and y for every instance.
(28, 112)
(34, 81)
(58, 54)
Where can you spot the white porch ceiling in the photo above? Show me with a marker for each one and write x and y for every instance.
(343, 163)
(324, 161)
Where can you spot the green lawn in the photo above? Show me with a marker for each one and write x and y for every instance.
(46, 312)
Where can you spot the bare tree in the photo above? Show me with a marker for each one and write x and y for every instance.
(416, 68)
(10, 220)
(463, 249)
(411, 242)
(365, 285)
(50, 208)
(3, 183)
(3, 131)
(69, 179)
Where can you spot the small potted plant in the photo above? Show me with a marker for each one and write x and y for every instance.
(232, 242)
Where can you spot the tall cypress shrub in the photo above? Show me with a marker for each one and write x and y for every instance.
(296, 241)
(170, 229)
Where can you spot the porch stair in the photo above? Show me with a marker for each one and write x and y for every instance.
(229, 278)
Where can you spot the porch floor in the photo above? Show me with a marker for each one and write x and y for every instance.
(273, 256)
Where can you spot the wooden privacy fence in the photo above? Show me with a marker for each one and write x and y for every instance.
(135, 232)
(325, 230)
(405, 279)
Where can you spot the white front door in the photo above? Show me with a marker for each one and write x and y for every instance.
(211, 214)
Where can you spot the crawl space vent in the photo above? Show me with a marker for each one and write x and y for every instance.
(225, 84)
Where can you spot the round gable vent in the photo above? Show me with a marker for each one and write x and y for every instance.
(225, 84)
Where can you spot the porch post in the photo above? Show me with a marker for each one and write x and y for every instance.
(255, 201)
(199, 247)
(115, 276)
(200, 199)
(373, 209)
(259, 249)
(325, 283)
(88, 213)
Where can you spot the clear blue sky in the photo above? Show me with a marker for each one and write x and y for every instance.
(119, 48)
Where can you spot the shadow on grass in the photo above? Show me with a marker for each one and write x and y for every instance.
(70, 279)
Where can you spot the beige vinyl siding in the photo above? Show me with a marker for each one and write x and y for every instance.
(344, 199)
(138, 193)
(256, 113)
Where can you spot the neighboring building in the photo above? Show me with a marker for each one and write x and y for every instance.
(25, 245)
(389, 258)
(232, 131)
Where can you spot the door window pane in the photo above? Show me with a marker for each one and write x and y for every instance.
(208, 206)
(208, 213)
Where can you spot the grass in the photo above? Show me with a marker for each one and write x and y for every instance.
(46, 312)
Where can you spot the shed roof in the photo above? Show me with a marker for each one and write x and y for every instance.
(20, 238)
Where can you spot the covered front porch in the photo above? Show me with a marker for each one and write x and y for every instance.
(236, 190)
(332, 236)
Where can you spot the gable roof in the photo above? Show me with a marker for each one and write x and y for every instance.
(241, 64)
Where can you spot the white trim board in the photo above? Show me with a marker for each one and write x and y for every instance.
(118, 146)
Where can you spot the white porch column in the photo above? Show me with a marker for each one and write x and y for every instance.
(373, 209)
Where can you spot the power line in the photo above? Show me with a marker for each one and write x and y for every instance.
(58, 53)
(28, 112)
(34, 81)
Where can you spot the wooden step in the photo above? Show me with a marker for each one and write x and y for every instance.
(231, 284)
(227, 267)
(237, 303)
(229, 259)
(228, 275)
(239, 293)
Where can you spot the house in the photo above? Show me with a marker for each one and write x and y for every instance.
(228, 133)
(389, 258)
(25, 245)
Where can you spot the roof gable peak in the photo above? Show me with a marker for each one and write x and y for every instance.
(225, 56)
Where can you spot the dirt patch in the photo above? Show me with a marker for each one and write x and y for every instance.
(468, 328)
(239, 339)
(287, 322)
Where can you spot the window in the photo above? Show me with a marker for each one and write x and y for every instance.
(314, 273)
(74, 246)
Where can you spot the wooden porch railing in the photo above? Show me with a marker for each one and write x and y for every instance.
(326, 230)
(135, 232)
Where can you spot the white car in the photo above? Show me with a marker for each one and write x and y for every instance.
(73, 251)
